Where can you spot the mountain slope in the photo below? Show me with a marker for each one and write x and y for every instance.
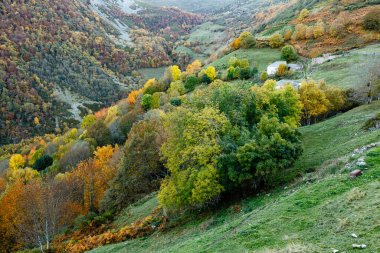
(60, 60)
(317, 214)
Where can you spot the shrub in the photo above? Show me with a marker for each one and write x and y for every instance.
(151, 86)
(205, 79)
(372, 122)
(245, 73)
(276, 40)
(263, 76)
(128, 120)
(247, 40)
(175, 101)
(191, 82)
(300, 32)
(309, 32)
(231, 73)
(146, 102)
(288, 34)
(288, 53)
(282, 70)
(372, 20)
(303, 14)
(319, 30)
(254, 71)
(43, 162)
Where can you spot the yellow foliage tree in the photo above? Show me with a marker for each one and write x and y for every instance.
(211, 73)
(319, 29)
(303, 14)
(276, 40)
(24, 175)
(282, 70)
(309, 32)
(36, 121)
(175, 72)
(16, 162)
(300, 32)
(149, 83)
(314, 100)
(235, 44)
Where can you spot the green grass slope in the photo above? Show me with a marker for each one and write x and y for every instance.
(337, 136)
(350, 70)
(261, 57)
(318, 214)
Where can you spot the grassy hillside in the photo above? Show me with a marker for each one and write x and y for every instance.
(348, 71)
(337, 136)
(261, 57)
(307, 217)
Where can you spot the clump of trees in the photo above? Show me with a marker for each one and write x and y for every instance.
(319, 99)
(223, 116)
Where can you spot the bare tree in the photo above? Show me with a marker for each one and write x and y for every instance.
(43, 211)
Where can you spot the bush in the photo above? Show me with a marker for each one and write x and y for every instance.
(276, 41)
(88, 121)
(300, 32)
(288, 34)
(372, 123)
(372, 20)
(191, 82)
(282, 70)
(206, 79)
(303, 14)
(245, 73)
(247, 40)
(175, 101)
(146, 102)
(43, 162)
(254, 71)
(263, 76)
(288, 53)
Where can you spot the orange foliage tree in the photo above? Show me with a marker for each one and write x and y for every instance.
(132, 97)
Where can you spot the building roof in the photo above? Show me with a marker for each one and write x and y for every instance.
(295, 83)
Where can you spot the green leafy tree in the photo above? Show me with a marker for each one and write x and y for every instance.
(288, 53)
(141, 169)
(247, 40)
(88, 121)
(43, 162)
(191, 82)
(100, 133)
(146, 102)
(190, 153)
